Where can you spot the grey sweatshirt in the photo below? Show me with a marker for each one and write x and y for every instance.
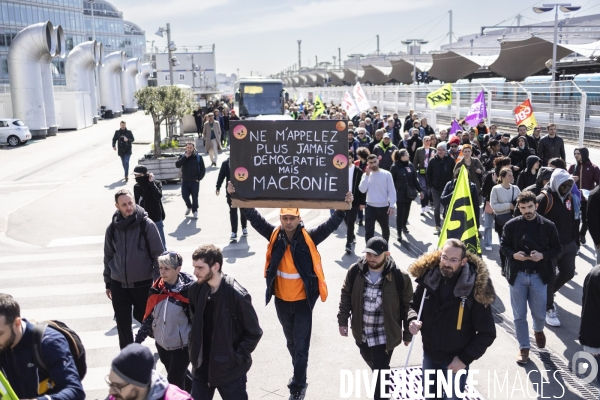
(379, 187)
(500, 198)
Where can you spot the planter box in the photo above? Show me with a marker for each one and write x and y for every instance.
(163, 168)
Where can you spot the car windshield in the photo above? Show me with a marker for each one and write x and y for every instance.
(260, 98)
(18, 123)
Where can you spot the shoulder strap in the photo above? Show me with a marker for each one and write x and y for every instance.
(549, 201)
(399, 281)
(231, 306)
(144, 234)
(38, 335)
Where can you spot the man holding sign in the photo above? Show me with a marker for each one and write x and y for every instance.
(294, 275)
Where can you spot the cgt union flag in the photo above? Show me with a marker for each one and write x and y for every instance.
(524, 116)
(460, 222)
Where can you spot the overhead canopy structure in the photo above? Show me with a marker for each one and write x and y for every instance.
(376, 75)
(337, 78)
(451, 66)
(350, 75)
(522, 58)
(588, 50)
(320, 81)
(302, 80)
(295, 81)
(402, 70)
(311, 79)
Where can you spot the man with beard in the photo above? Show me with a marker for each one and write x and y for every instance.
(377, 312)
(133, 377)
(148, 194)
(131, 248)
(225, 329)
(529, 242)
(456, 323)
(61, 381)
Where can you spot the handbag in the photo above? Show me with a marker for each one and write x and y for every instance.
(411, 192)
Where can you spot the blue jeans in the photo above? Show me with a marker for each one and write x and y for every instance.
(235, 390)
(441, 368)
(488, 229)
(125, 161)
(296, 320)
(528, 288)
(190, 188)
(161, 231)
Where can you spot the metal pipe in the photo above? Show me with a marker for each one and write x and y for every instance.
(141, 80)
(24, 58)
(299, 55)
(132, 68)
(110, 95)
(170, 53)
(80, 65)
(47, 81)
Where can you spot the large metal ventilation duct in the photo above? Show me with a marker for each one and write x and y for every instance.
(25, 54)
(110, 87)
(141, 80)
(94, 86)
(79, 70)
(47, 81)
(133, 67)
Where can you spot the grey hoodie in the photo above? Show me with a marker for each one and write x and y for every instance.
(126, 257)
(559, 176)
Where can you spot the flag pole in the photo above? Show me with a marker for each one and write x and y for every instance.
(418, 319)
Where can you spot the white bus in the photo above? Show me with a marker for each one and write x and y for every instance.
(258, 96)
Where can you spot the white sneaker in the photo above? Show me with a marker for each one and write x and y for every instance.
(245, 231)
(552, 317)
(488, 248)
(195, 214)
(423, 210)
(188, 211)
(233, 236)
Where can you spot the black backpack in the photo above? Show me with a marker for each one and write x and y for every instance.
(75, 345)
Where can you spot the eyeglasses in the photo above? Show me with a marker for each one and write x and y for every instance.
(110, 384)
(452, 260)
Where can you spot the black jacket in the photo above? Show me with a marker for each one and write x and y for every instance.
(473, 290)
(224, 174)
(360, 198)
(590, 309)
(560, 215)
(123, 147)
(300, 251)
(404, 176)
(526, 178)
(518, 158)
(148, 195)
(440, 172)
(531, 143)
(191, 169)
(236, 331)
(549, 148)
(546, 237)
(487, 159)
(593, 214)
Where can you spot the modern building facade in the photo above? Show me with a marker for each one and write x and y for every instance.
(75, 17)
(196, 70)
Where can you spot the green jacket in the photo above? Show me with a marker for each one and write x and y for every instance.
(396, 306)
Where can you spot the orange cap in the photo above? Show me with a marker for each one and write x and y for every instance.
(290, 211)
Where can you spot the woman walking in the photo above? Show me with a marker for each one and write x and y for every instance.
(407, 186)
(502, 200)
(473, 166)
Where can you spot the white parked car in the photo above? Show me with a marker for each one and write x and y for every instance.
(13, 132)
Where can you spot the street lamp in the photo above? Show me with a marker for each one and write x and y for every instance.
(357, 57)
(414, 42)
(564, 7)
(170, 48)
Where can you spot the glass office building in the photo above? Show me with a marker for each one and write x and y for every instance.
(75, 16)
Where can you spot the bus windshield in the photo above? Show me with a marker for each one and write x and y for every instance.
(258, 98)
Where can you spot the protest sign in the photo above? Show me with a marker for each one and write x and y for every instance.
(283, 163)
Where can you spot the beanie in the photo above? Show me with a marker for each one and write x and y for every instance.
(134, 365)
(454, 140)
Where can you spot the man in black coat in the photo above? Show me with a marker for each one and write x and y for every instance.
(359, 202)
(224, 174)
(457, 325)
(125, 139)
(590, 316)
(529, 242)
(148, 194)
(439, 173)
(225, 329)
(198, 119)
(551, 146)
(522, 131)
(192, 172)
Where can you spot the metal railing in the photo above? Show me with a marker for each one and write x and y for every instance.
(574, 108)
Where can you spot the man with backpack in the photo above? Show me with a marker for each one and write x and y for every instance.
(131, 248)
(192, 172)
(376, 324)
(125, 139)
(53, 372)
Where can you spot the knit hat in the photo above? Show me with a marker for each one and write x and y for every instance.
(443, 145)
(134, 365)
(140, 169)
(454, 140)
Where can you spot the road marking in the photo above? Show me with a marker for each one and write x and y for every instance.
(28, 184)
(55, 290)
(51, 271)
(74, 241)
(51, 256)
(70, 312)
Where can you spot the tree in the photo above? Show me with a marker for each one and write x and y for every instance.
(163, 103)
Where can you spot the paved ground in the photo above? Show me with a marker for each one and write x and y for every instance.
(57, 198)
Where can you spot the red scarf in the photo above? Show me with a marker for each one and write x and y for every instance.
(154, 299)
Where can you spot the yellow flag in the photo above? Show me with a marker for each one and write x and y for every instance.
(460, 222)
(6, 391)
(319, 108)
(440, 97)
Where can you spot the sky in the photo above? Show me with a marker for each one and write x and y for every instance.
(260, 36)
